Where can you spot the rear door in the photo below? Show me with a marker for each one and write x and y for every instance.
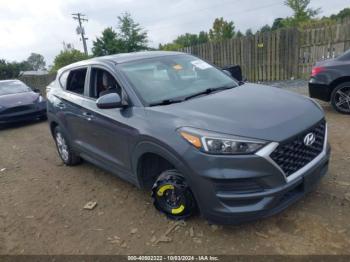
(71, 102)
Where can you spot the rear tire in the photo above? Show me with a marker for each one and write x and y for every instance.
(68, 156)
(172, 196)
(340, 98)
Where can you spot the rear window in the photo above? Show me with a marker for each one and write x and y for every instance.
(76, 81)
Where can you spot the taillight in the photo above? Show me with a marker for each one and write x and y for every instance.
(316, 70)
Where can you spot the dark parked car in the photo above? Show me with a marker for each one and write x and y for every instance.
(18, 102)
(330, 82)
(176, 125)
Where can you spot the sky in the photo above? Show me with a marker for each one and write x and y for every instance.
(41, 26)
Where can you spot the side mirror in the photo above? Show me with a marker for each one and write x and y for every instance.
(227, 72)
(111, 100)
(36, 90)
(235, 71)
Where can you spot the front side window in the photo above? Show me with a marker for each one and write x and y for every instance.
(76, 81)
(173, 77)
(13, 87)
(102, 83)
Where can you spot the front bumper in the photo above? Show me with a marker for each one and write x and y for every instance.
(246, 188)
(38, 111)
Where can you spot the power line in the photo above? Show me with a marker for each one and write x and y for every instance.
(166, 27)
(80, 29)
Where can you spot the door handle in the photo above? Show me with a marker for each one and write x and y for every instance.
(88, 116)
(60, 105)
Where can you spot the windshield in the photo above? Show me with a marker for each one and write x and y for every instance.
(12, 87)
(173, 77)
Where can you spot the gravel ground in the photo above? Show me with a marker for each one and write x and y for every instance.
(41, 207)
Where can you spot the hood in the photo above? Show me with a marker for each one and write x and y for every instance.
(18, 99)
(250, 110)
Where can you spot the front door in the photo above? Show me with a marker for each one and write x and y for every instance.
(108, 130)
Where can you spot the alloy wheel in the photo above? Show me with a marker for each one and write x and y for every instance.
(342, 99)
(62, 147)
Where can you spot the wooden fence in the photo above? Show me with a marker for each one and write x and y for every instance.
(279, 55)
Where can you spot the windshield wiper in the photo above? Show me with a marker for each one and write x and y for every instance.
(166, 102)
(209, 91)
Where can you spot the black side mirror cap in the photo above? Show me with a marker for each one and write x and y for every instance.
(112, 100)
(235, 71)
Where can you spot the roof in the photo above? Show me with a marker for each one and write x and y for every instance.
(124, 57)
(9, 80)
(128, 57)
(34, 73)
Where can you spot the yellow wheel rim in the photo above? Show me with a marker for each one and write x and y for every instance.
(178, 210)
(164, 188)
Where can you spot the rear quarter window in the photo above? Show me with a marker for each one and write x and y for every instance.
(63, 79)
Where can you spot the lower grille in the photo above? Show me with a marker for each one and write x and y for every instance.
(18, 109)
(294, 154)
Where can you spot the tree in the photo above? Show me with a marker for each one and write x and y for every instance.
(249, 32)
(221, 30)
(67, 57)
(36, 61)
(239, 34)
(301, 12)
(342, 15)
(107, 44)
(129, 37)
(10, 70)
(277, 24)
(265, 28)
(203, 37)
(186, 40)
(170, 47)
(132, 35)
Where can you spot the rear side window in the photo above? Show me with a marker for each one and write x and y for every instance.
(76, 81)
(63, 79)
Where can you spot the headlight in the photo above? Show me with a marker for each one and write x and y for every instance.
(215, 143)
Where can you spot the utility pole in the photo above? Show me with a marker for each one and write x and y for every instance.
(80, 29)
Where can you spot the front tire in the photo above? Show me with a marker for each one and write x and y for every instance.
(68, 156)
(172, 196)
(340, 98)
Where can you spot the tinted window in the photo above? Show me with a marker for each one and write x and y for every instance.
(13, 87)
(171, 77)
(102, 82)
(76, 81)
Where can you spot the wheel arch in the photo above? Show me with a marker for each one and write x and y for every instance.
(53, 125)
(337, 82)
(169, 159)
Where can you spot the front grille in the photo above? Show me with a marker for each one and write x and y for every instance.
(294, 154)
(18, 109)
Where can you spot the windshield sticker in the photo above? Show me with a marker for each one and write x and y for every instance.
(201, 64)
(178, 67)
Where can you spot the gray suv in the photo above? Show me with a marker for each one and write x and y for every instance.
(196, 138)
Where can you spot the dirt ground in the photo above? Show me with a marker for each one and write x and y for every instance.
(41, 208)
